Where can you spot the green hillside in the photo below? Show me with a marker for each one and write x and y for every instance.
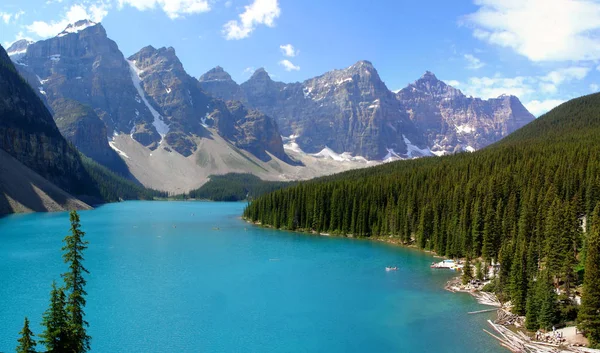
(234, 187)
(519, 202)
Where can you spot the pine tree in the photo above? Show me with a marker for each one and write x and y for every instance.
(589, 312)
(532, 308)
(74, 284)
(26, 342)
(518, 281)
(479, 271)
(56, 336)
(467, 274)
(547, 299)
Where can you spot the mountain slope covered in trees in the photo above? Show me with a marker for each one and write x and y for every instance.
(521, 202)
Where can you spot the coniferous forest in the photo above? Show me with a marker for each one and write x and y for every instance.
(530, 202)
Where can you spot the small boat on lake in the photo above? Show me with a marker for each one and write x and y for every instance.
(391, 269)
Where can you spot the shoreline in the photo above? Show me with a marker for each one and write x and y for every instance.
(509, 328)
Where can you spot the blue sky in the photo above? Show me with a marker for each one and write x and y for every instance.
(544, 52)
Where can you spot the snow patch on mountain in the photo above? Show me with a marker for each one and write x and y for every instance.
(465, 129)
(289, 143)
(343, 157)
(76, 27)
(391, 156)
(413, 151)
(158, 122)
(114, 147)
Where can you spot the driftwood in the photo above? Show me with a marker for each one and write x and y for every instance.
(518, 342)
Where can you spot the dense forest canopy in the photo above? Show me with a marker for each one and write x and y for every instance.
(522, 202)
(234, 187)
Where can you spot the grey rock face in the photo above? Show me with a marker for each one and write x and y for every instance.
(220, 84)
(348, 110)
(352, 110)
(28, 133)
(452, 122)
(187, 109)
(81, 64)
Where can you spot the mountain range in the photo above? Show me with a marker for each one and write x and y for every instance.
(145, 118)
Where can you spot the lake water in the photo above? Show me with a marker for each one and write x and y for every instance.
(163, 278)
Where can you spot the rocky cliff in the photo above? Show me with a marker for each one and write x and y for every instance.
(352, 110)
(82, 65)
(453, 122)
(187, 111)
(29, 134)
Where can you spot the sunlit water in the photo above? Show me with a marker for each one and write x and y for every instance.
(193, 277)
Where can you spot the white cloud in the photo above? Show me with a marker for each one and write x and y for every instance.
(567, 74)
(522, 86)
(173, 8)
(8, 16)
(228, 4)
(75, 13)
(260, 12)
(248, 71)
(492, 87)
(453, 83)
(594, 87)
(549, 83)
(473, 62)
(288, 66)
(288, 50)
(541, 30)
(538, 108)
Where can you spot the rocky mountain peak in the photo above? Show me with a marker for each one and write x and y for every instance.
(260, 75)
(362, 68)
(429, 85)
(19, 47)
(215, 74)
(78, 27)
(428, 75)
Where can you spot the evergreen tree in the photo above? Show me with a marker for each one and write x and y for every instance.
(26, 342)
(467, 274)
(479, 271)
(74, 284)
(547, 299)
(589, 312)
(518, 281)
(56, 336)
(532, 308)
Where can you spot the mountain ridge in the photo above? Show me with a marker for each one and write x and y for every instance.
(428, 113)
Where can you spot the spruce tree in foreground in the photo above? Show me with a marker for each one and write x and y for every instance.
(56, 336)
(79, 341)
(589, 312)
(26, 342)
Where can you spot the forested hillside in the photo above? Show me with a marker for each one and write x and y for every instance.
(234, 187)
(522, 202)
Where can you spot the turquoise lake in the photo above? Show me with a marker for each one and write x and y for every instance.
(163, 278)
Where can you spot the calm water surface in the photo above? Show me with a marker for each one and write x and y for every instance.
(164, 279)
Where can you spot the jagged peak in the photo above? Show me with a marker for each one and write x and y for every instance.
(260, 73)
(19, 47)
(428, 75)
(362, 63)
(77, 27)
(215, 74)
